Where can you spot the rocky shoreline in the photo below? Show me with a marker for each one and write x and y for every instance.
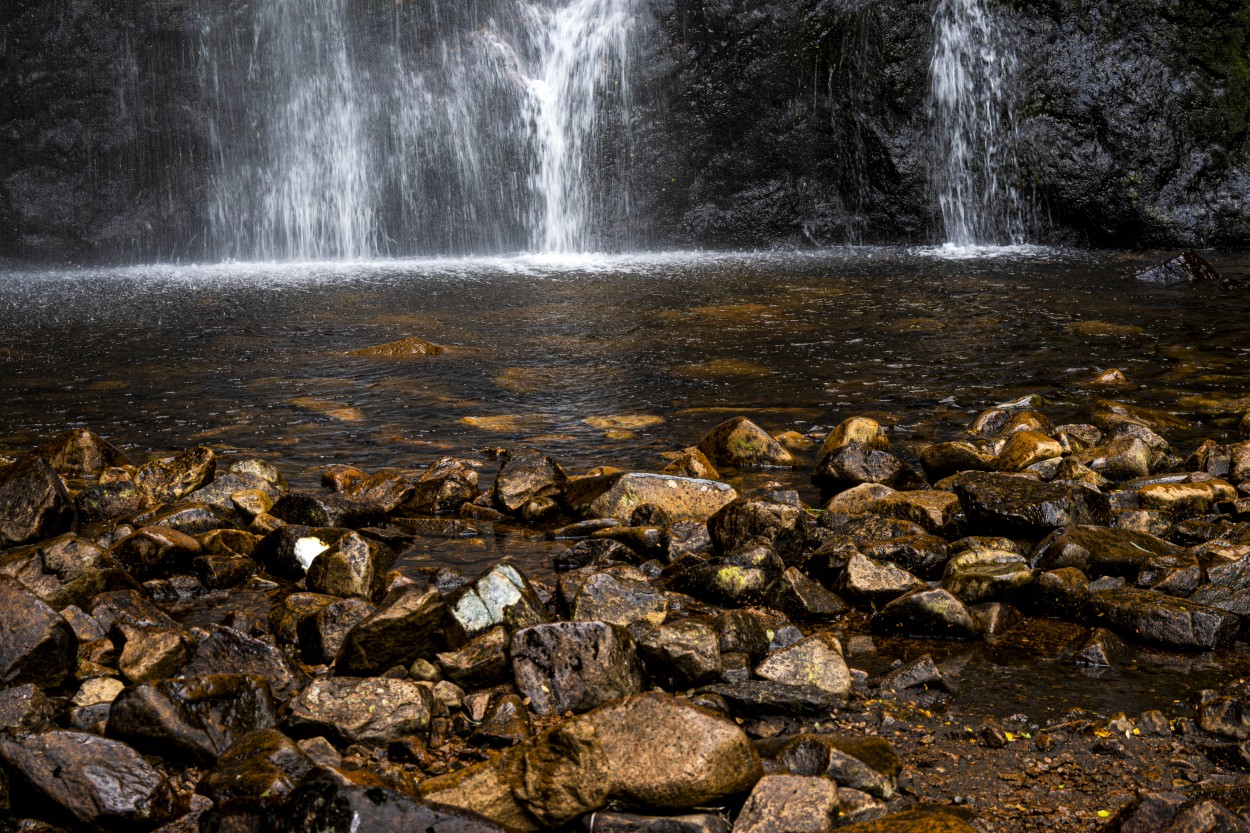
(694, 666)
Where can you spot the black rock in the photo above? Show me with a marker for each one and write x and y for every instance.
(228, 651)
(1187, 267)
(853, 464)
(1099, 551)
(321, 633)
(36, 645)
(574, 666)
(325, 510)
(1162, 620)
(33, 503)
(679, 654)
(192, 719)
(331, 804)
(1008, 504)
(932, 614)
(754, 697)
(406, 626)
(767, 516)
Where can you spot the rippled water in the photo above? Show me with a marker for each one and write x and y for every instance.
(252, 360)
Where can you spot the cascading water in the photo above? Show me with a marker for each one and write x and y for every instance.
(974, 168)
(340, 131)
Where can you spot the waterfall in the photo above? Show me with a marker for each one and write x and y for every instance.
(341, 130)
(974, 167)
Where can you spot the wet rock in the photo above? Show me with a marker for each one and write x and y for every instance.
(331, 804)
(33, 503)
(1024, 448)
(857, 576)
(167, 479)
(765, 516)
(983, 574)
(755, 697)
(352, 566)
(36, 645)
(803, 599)
(691, 462)
(188, 518)
(483, 661)
(934, 510)
(500, 596)
(406, 626)
(1100, 649)
(1123, 458)
(1179, 500)
(740, 443)
(739, 579)
(1108, 414)
(858, 500)
(321, 634)
(192, 719)
(942, 460)
(741, 632)
(290, 550)
(932, 614)
(444, 487)
(150, 653)
(334, 511)
(24, 708)
(680, 654)
(1162, 620)
(526, 475)
(225, 650)
(66, 570)
(383, 492)
(220, 493)
(1012, 504)
(153, 550)
(289, 610)
(854, 464)
(263, 763)
(109, 501)
(1150, 812)
(789, 804)
(80, 453)
(129, 606)
(506, 723)
(866, 764)
(596, 553)
(221, 572)
(859, 430)
(664, 753)
(913, 821)
(616, 822)
(373, 711)
(574, 666)
(919, 673)
(923, 555)
(1099, 551)
(620, 595)
(1187, 267)
(813, 661)
(1226, 716)
(618, 495)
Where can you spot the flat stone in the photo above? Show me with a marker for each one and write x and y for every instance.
(192, 719)
(1152, 617)
(33, 503)
(1180, 500)
(931, 614)
(919, 673)
(1008, 504)
(373, 711)
(812, 661)
(97, 782)
(858, 499)
(789, 804)
(406, 626)
(1100, 551)
(766, 697)
(36, 645)
(912, 821)
(679, 497)
(740, 443)
(574, 666)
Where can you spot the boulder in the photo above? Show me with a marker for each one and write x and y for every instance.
(1152, 617)
(851, 465)
(934, 510)
(36, 645)
(680, 654)
(192, 719)
(1187, 267)
(1100, 551)
(264, 763)
(803, 599)
(372, 711)
(619, 595)
(859, 430)
(288, 551)
(80, 453)
(574, 666)
(352, 566)
(321, 633)
(740, 443)
(500, 596)
(618, 495)
(482, 662)
(167, 479)
(789, 804)
(812, 661)
(406, 626)
(1024, 448)
(66, 570)
(33, 503)
(1011, 504)
(223, 650)
(931, 614)
(768, 515)
(525, 475)
(154, 550)
(91, 781)
(691, 462)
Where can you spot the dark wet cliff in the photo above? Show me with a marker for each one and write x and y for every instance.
(793, 122)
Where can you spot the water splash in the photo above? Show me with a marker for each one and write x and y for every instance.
(489, 127)
(975, 166)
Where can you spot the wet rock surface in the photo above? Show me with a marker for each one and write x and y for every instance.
(791, 666)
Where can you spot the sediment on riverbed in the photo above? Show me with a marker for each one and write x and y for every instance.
(694, 660)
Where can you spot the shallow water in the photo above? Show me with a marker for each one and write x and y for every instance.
(251, 360)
